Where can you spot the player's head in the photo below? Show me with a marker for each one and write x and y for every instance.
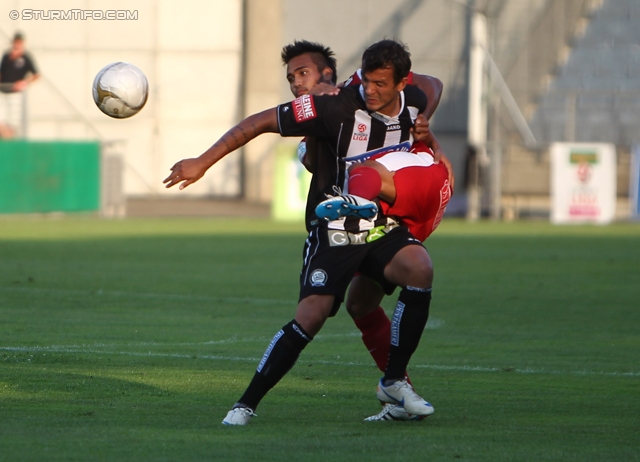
(385, 67)
(388, 54)
(308, 63)
(17, 44)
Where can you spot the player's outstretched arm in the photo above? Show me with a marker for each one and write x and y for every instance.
(188, 171)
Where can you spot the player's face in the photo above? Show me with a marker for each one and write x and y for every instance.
(17, 48)
(302, 74)
(381, 92)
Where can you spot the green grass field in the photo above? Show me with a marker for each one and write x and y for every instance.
(130, 340)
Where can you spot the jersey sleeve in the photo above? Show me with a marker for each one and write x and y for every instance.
(31, 67)
(309, 116)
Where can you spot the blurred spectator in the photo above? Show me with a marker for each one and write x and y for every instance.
(17, 70)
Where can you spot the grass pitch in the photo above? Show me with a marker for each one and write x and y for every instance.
(130, 340)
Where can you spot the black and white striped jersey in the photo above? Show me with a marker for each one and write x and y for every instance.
(342, 131)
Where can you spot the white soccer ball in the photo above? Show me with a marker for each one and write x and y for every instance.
(120, 90)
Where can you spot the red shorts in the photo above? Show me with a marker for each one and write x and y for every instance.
(422, 194)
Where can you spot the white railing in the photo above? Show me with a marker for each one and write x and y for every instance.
(13, 112)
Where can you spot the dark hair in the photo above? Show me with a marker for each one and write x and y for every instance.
(18, 36)
(387, 54)
(321, 56)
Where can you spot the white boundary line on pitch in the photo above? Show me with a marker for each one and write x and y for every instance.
(434, 323)
(55, 349)
(115, 293)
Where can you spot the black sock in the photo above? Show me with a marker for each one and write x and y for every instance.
(281, 355)
(408, 322)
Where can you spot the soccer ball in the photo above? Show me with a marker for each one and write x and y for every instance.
(120, 90)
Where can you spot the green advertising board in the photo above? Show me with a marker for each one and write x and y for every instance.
(37, 177)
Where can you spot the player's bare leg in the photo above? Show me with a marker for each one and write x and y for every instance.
(313, 312)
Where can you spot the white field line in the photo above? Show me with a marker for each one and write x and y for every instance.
(114, 293)
(434, 323)
(76, 349)
(86, 349)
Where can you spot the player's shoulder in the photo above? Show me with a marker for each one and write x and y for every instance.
(412, 91)
(351, 91)
(347, 97)
(414, 96)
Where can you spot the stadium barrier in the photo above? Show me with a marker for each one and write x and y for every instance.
(41, 177)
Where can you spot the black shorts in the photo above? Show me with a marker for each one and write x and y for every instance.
(329, 264)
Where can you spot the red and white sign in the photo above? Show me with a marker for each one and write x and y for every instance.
(583, 183)
(303, 108)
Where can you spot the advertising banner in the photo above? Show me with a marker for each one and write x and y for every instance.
(42, 177)
(583, 183)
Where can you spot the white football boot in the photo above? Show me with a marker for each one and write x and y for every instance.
(402, 393)
(393, 412)
(239, 416)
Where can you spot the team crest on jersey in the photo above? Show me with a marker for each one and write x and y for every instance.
(303, 108)
(318, 278)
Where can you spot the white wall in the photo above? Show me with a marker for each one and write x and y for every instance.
(434, 31)
(191, 52)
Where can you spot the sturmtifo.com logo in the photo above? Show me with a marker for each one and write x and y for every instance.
(74, 15)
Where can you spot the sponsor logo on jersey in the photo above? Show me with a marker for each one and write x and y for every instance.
(445, 195)
(338, 238)
(361, 132)
(303, 108)
(318, 278)
(393, 127)
(375, 233)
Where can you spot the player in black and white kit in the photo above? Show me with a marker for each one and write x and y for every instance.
(377, 115)
(311, 69)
